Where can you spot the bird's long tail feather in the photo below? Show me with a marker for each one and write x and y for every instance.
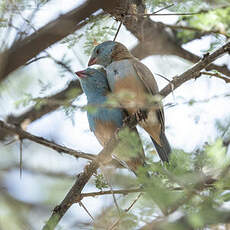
(164, 150)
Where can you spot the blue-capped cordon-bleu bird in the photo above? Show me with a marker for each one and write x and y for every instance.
(134, 84)
(105, 121)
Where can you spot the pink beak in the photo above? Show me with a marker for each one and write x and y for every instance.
(92, 61)
(81, 74)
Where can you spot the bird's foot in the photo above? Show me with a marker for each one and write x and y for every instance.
(141, 115)
(127, 120)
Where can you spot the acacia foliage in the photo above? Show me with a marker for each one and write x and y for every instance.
(194, 187)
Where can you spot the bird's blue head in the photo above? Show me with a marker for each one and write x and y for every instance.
(93, 82)
(102, 54)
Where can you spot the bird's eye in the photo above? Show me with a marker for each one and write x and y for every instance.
(97, 51)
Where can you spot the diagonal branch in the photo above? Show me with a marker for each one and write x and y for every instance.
(33, 113)
(194, 71)
(74, 195)
(23, 50)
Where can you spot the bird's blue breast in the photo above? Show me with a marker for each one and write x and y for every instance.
(96, 88)
(102, 114)
(114, 116)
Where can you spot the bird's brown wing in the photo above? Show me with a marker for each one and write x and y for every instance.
(151, 85)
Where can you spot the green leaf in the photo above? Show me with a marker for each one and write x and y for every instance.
(216, 154)
(100, 182)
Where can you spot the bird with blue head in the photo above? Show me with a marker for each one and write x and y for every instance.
(105, 121)
(134, 85)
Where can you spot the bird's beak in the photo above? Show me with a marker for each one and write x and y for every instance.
(81, 74)
(92, 61)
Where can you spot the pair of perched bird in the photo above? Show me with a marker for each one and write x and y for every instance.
(134, 86)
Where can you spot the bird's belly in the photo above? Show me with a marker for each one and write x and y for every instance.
(152, 125)
(130, 93)
(126, 85)
(104, 131)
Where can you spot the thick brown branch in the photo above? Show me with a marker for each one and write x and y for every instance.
(23, 50)
(23, 134)
(155, 39)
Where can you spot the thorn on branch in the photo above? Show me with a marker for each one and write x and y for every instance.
(83, 206)
(197, 76)
(57, 209)
(20, 152)
(205, 56)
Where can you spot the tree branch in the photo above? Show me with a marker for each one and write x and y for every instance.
(200, 31)
(109, 192)
(74, 195)
(226, 79)
(34, 113)
(23, 134)
(194, 71)
(23, 50)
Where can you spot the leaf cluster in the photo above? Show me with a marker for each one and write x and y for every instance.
(98, 29)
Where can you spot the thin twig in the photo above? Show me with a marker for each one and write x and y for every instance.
(20, 152)
(119, 27)
(126, 210)
(111, 189)
(36, 59)
(163, 77)
(226, 79)
(165, 14)
(109, 192)
(172, 86)
(83, 206)
(114, 224)
(164, 8)
(204, 32)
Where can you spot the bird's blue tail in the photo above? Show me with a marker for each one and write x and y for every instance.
(164, 150)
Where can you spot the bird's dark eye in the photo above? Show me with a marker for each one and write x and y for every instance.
(97, 51)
